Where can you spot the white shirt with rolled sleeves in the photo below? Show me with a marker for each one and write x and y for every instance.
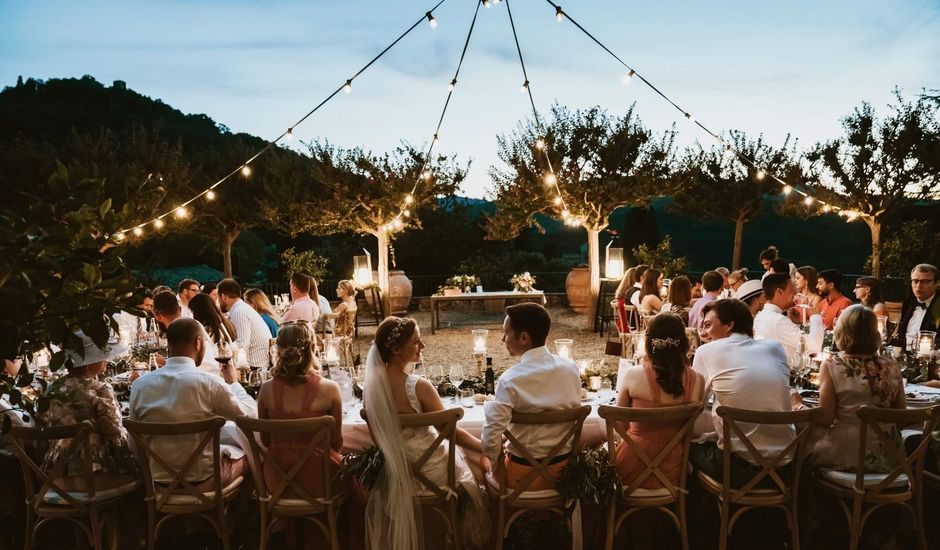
(539, 382)
(745, 373)
(771, 324)
(251, 333)
(180, 392)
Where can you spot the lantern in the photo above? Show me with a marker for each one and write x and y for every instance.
(563, 347)
(479, 341)
(362, 269)
(613, 267)
(331, 351)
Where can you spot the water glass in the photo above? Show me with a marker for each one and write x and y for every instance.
(456, 378)
(466, 398)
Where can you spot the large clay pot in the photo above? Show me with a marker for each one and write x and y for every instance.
(399, 292)
(578, 288)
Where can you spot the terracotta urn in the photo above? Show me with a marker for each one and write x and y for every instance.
(578, 288)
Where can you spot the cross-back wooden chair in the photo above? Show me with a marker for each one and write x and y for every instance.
(860, 494)
(289, 499)
(670, 499)
(47, 496)
(443, 501)
(180, 496)
(733, 502)
(516, 501)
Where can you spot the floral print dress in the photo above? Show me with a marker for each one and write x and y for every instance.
(858, 380)
(76, 400)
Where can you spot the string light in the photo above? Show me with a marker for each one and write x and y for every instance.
(436, 140)
(246, 170)
(406, 213)
(398, 224)
(347, 87)
(486, 3)
(119, 236)
(409, 198)
(431, 21)
(826, 208)
(690, 117)
(181, 212)
(550, 179)
(787, 189)
(524, 88)
(426, 175)
(565, 214)
(138, 231)
(290, 134)
(808, 200)
(452, 85)
(559, 14)
(760, 174)
(540, 144)
(210, 195)
(158, 223)
(557, 200)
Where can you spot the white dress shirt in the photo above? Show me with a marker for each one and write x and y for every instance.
(251, 333)
(751, 374)
(540, 381)
(209, 363)
(184, 309)
(771, 324)
(917, 319)
(181, 392)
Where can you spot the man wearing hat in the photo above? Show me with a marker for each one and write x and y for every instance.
(772, 324)
(752, 294)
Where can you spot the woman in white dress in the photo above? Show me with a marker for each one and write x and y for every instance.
(391, 390)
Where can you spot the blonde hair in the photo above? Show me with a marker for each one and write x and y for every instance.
(258, 300)
(857, 331)
(295, 358)
(348, 287)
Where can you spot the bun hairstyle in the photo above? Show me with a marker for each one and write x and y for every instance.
(295, 359)
(392, 333)
(348, 287)
(770, 254)
(667, 346)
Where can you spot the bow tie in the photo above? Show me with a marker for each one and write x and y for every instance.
(921, 304)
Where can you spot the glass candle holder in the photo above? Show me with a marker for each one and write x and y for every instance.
(925, 342)
(563, 347)
(479, 341)
(639, 344)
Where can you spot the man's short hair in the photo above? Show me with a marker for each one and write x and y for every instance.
(230, 288)
(301, 281)
(723, 271)
(780, 266)
(185, 284)
(831, 276)
(639, 271)
(712, 281)
(531, 318)
(926, 268)
(165, 303)
(730, 310)
(181, 332)
(774, 282)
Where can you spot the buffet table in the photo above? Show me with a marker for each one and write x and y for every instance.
(535, 295)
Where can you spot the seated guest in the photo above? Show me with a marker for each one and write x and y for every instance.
(679, 298)
(324, 306)
(80, 396)
(251, 333)
(650, 302)
(737, 278)
(805, 280)
(137, 323)
(166, 309)
(538, 382)
(779, 321)
(920, 311)
(212, 290)
(726, 285)
(346, 292)
(259, 301)
(767, 257)
(752, 294)
(295, 391)
(833, 301)
(634, 295)
(712, 282)
(780, 266)
(185, 291)
(302, 307)
(664, 379)
(743, 373)
(180, 392)
(696, 286)
(854, 377)
(622, 296)
(868, 292)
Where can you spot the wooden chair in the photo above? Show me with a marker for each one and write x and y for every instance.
(444, 501)
(860, 494)
(734, 501)
(670, 499)
(894, 311)
(516, 501)
(273, 503)
(180, 496)
(47, 495)
(346, 338)
(632, 317)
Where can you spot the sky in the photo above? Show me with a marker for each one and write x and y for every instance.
(772, 68)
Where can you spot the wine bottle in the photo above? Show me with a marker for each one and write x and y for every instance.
(489, 378)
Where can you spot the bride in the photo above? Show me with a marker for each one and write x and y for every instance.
(389, 391)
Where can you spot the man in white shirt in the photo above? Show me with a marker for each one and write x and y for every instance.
(184, 293)
(135, 324)
(180, 392)
(772, 324)
(166, 310)
(302, 307)
(743, 373)
(539, 382)
(251, 332)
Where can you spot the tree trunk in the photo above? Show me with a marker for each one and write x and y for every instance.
(738, 240)
(227, 241)
(382, 236)
(875, 227)
(595, 270)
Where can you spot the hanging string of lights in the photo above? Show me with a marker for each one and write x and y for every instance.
(760, 172)
(550, 178)
(182, 210)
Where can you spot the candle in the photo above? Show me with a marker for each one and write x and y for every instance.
(595, 383)
(584, 365)
(639, 344)
(331, 355)
(479, 341)
(563, 347)
(363, 276)
(925, 342)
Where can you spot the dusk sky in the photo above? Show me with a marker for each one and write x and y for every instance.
(774, 68)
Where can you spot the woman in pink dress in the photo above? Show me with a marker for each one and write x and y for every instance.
(664, 379)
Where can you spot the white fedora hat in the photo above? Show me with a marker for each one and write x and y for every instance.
(94, 354)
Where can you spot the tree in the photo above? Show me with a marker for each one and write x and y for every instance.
(914, 243)
(715, 184)
(355, 190)
(602, 162)
(662, 258)
(879, 166)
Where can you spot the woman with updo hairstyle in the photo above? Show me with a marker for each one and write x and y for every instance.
(391, 390)
(296, 390)
(665, 379)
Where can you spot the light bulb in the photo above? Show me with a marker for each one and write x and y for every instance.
(690, 117)
(348, 86)
(290, 134)
(826, 208)
(808, 201)
(559, 15)
(119, 236)
(436, 140)
(181, 212)
(452, 85)
(565, 214)
(426, 175)
(760, 174)
(138, 231)
(431, 21)
(158, 223)
(406, 213)
(557, 201)
(409, 198)
(398, 224)
(210, 195)
(524, 87)
(787, 189)
(629, 77)
(246, 170)
(550, 179)
(486, 3)
(540, 144)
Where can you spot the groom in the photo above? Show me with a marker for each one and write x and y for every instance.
(538, 382)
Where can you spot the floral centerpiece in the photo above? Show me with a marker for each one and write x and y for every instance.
(522, 282)
(465, 283)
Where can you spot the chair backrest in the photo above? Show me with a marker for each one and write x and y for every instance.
(540, 466)
(446, 424)
(318, 430)
(873, 420)
(618, 420)
(24, 439)
(207, 433)
(768, 461)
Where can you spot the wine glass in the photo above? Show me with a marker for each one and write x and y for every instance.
(456, 378)
(436, 375)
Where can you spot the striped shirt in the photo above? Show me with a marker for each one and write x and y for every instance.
(251, 333)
